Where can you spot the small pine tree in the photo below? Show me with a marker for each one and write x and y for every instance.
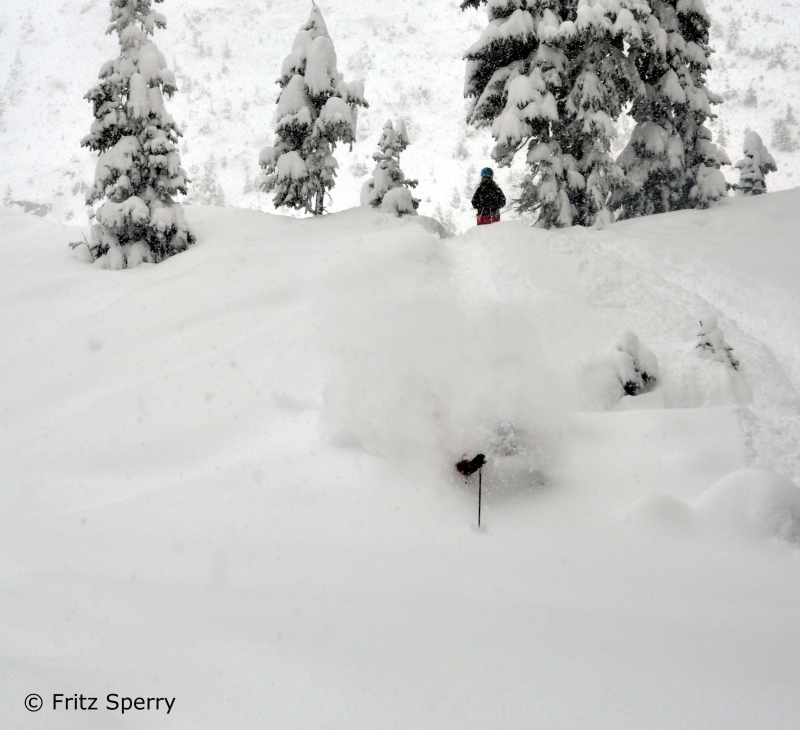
(711, 343)
(784, 132)
(755, 166)
(139, 168)
(387, 174)
(317, 109)
(722, 136)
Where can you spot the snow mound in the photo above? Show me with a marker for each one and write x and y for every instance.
(661, 512)
(753, 501)
(747, 502)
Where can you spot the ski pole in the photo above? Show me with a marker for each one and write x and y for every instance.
(468, 467)
(480, 490)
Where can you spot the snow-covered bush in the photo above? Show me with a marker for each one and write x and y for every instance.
(636, 367)
(671, 162)
(398, 202)
(711, 343)
(317, 109)
(388, 176)
(755, 166)
(139, 168)
(626, 368)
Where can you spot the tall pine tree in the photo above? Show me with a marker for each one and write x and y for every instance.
(139, 168)
(671, 162)
(317, 109)
(600, 80)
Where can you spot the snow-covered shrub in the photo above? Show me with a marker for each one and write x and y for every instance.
(636, 367)
(206, 189)
(755, 166)
(387, 175)
(317, 109)
(398, 202)
(626, 368)
(671, 162)
(139, 168)
(711, 343)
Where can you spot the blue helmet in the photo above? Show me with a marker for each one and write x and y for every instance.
(487, 172)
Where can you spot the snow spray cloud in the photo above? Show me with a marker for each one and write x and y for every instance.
(420, 376)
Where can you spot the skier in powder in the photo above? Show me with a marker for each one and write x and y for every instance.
(488, 198)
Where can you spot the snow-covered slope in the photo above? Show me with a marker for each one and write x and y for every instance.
(228, 478)
(227, 57)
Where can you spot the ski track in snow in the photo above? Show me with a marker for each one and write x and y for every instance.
(761, 319)
(657, 298)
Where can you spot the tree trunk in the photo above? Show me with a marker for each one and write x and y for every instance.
(319, 207)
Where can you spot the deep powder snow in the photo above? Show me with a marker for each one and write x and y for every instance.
(228, 478)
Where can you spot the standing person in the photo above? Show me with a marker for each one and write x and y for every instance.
(488, 198)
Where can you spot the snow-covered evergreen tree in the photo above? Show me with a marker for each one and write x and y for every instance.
(711, 343)
(670, 162)
(139, 169)
(553, 76)
(785, 132)
(755, 166)
(750, 98)
(601, 81)
(387, 174)
(703, 182)
(317, 109)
